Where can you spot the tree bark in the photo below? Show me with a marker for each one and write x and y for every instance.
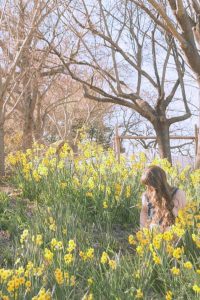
(197, 161)
(28, 124)
(30, 96)
(163, 140)
(2, 147)
(38, 122)
(38, 133)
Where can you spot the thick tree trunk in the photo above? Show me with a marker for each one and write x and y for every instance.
(38, 122)
(28, 123)
(38, 133)
(2, 148)
(197, 161)
(29, 105)
(27, 136)
(30, 98)
(27, 85)
(163, 140)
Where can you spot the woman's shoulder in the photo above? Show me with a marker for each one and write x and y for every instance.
(179, 198)
(179, 193)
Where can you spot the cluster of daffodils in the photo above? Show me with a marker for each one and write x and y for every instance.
(59, 256)
(24, 280)
(87, 255)
(92, 170)
(170, 252)
(105, 259)
(14, 280)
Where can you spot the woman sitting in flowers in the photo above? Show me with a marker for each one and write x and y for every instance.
(161, 202)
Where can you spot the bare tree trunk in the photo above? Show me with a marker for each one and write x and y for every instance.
(28, 123)
(38, 124)
(2, 147)
(162, 133)
(38, 133)
(26, 63)
(197, 161)
(30, 97)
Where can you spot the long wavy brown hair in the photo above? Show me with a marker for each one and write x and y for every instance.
(159, 193)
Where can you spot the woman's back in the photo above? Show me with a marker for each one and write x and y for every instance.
(179, 201)
(161, 202)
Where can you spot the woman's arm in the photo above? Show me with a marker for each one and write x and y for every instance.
(143, 217)
(182, 199)
(143, 213)
(179, 202)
